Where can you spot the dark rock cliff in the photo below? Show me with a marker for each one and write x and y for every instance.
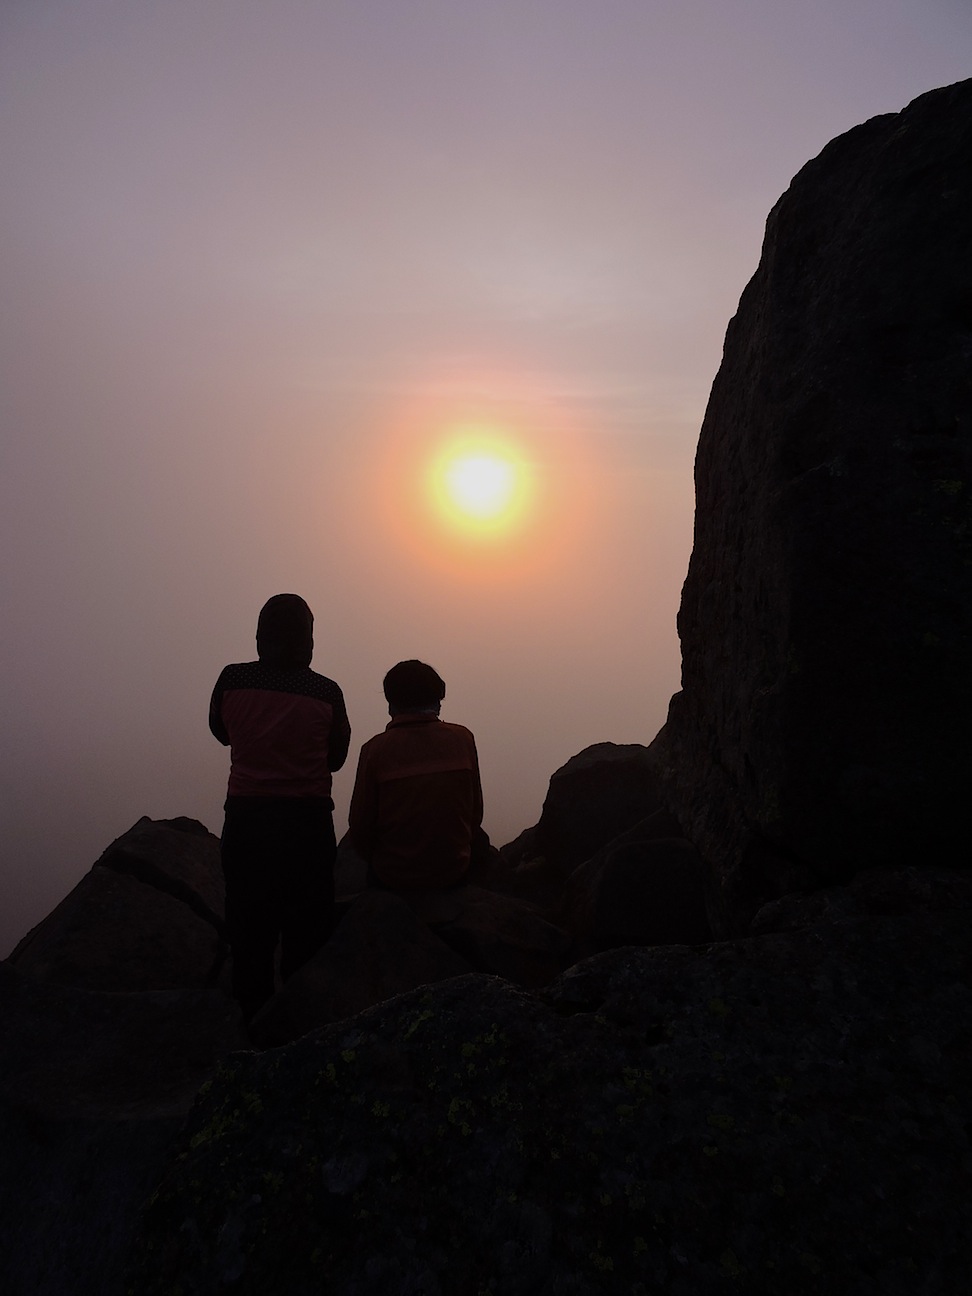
(826, 620)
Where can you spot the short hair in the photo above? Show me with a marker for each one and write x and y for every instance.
(413, 684)
(285, 631)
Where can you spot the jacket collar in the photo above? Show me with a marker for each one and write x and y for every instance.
(412, 718)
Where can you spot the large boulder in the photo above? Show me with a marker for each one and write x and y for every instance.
(645, 888)
(599, 793)
(113, 1012)
(147, 916)
(497, 933)
(388, 942)
(379, 949)
(782, 1114)
(826, 705)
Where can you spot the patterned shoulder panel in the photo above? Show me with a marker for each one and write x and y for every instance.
(275, 679)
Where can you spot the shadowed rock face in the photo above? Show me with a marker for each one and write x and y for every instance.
(599, 793)
(777, 1115)
(147, 916)
(824, 720)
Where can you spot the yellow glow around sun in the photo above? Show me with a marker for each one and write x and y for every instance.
(480, 484)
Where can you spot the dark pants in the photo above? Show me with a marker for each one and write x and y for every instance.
(278, 861)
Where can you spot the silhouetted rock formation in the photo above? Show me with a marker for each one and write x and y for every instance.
(644, 888)
(776, 1115)
(379, 950)
(599, 793)
(98, 1064)
(826, 709)
(148, 916)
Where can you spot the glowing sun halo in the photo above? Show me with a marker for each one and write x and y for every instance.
(479, 487)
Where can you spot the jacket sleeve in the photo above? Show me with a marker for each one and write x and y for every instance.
(363, 815)
(477, 787)
(216, 726)
(339, 739)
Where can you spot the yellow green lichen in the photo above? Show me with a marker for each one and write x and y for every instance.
(730, 1263)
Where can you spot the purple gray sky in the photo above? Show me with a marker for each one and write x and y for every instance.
(260, 262)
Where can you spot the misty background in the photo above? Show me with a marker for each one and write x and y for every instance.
(258, 262)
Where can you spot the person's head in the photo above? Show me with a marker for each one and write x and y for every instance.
(413, 686)
(285, 631)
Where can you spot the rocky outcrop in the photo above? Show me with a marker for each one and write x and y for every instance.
(388, 943)
(148, 916)
(873, 893)
(826, 620)
(378, 950)
(598, 794)
(111, 1017)
(782, 1114)
(644, 888)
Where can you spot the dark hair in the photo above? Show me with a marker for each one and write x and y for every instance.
(285, 631)
(413, 684)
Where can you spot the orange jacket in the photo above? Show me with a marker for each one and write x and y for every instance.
(417, 799)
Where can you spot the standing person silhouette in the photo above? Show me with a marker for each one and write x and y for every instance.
(287, 730)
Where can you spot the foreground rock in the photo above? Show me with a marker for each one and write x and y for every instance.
(826, 619)
(148, 916)
(112, 1014)
(379, 950)
(784, 1114)
(94, 1087)
(388, 943)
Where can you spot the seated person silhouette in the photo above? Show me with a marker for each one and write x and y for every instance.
(287, 730)
(417, 804)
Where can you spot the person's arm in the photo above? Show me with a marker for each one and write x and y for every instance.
(363, 814)
(216, 726)
(477, 815)
(339, 739)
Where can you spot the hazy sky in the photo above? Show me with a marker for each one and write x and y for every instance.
(260, 262)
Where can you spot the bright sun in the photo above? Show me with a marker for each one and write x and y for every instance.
(480, 484)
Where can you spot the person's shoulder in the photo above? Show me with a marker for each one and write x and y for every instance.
(236, 671)
(458, 729)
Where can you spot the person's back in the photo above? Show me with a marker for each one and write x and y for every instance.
(417, 800)
(287, 730)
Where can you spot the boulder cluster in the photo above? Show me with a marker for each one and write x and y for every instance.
(705, 1027)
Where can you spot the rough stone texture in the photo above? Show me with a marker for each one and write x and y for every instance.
(148, 916)
(93, 1089)
(379, 949)
(872, 893)
(599, 793)
(496, 933)
(388, 943)
(785, 1115)
(824, 720)
(638, 891)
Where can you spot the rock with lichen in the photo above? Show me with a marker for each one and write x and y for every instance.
(783, 1114)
